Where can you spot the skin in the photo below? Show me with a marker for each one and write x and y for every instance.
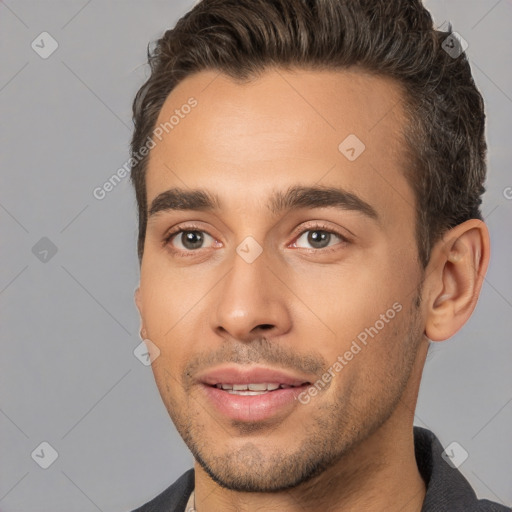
(351, 447)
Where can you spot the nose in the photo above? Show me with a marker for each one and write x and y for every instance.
(251, 301)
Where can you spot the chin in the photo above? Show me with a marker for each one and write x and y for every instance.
(250, 469)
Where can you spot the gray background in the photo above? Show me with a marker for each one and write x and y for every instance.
(68, 375)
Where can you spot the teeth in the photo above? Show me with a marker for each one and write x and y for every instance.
(258, 388)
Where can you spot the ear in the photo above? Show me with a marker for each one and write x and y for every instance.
(138, 303)
(454, 278)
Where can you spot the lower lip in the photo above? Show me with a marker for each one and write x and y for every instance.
(251, 408)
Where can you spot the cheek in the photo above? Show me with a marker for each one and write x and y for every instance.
(171, 305)
(169, 300)
(167, 371)
(351, 298)
(369, 309)
(376, 361)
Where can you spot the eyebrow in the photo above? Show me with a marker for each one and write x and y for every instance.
(293, 198)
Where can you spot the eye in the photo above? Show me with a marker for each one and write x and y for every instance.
(319, 238)
(188, 239)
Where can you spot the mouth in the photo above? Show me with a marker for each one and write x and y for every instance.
(255, 389)
(252, 394)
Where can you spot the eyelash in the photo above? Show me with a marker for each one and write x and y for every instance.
(315, 227)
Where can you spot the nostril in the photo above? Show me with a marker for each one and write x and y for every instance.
(265, 327)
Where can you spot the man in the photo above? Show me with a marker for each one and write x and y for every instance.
(309, 178)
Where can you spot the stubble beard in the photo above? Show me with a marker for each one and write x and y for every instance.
(335, 430)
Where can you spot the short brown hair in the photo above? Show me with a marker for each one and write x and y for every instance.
(392, 38)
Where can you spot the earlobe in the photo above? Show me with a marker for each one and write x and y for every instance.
(455, 275)
(138, 303)
(136, 296)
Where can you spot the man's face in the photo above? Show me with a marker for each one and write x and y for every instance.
(321, 276)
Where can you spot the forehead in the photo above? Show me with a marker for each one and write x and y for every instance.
(243, 140)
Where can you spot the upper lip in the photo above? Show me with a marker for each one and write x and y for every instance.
(250, 375)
